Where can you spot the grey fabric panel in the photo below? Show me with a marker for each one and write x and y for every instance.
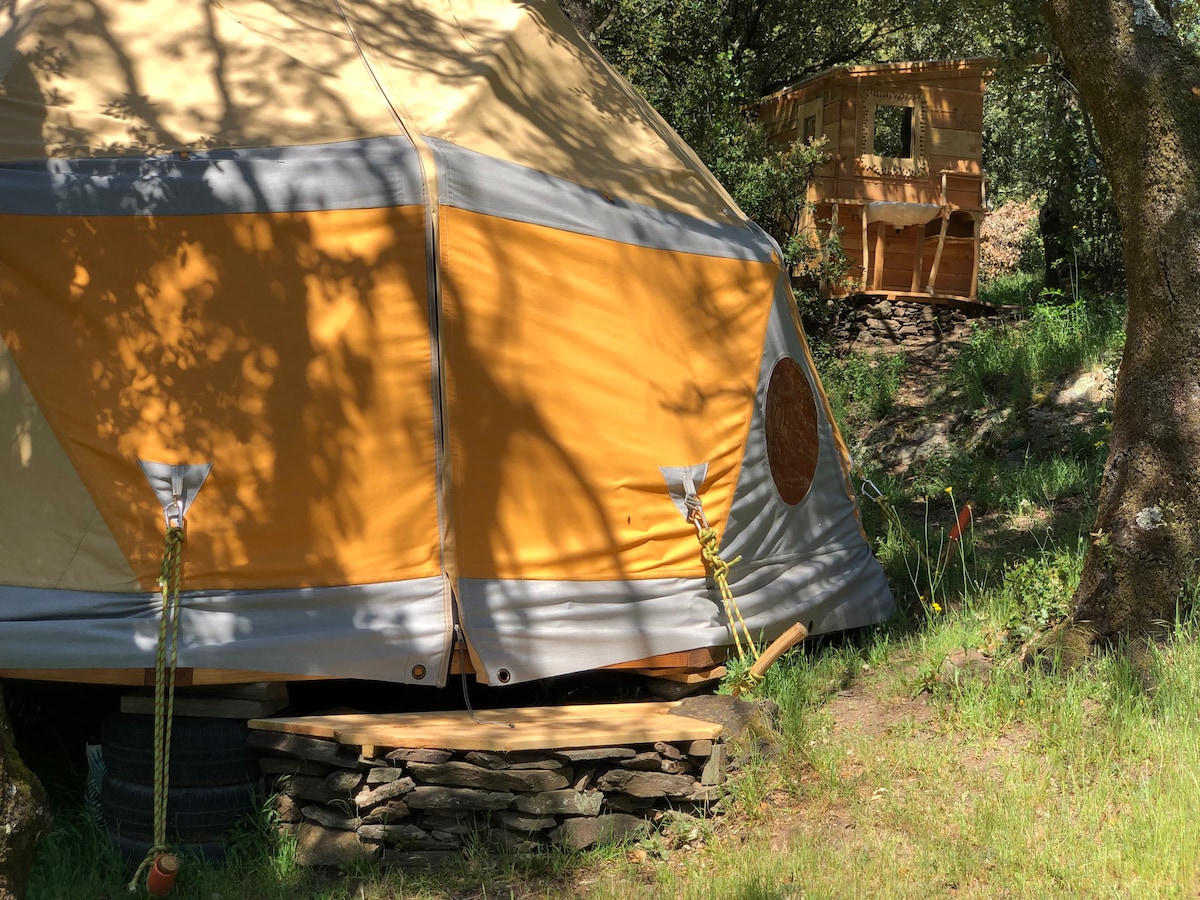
(367, 174)
(479, 183)
(377, 631)
(539, 629)
(762, 527)
(171, 481)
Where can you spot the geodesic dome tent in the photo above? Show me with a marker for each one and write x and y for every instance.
(424, 316)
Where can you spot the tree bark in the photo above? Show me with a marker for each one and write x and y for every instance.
(1142, 85)
(24, 815)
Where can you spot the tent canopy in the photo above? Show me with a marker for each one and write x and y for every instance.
(446, 307)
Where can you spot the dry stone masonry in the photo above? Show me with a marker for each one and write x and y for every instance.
(413, 806)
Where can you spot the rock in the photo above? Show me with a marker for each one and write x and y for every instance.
(583, 778)
(384, 775)
(573, 803)
(392, 811)
(735, 715)
(425, 756)
(648, 761)
(668, 751)
(405, 835)
(467, 775)
(646, 784)
(320, 846)
(965, 665)
(449, 824)
(578, 834)
(514, 760)
(343, 781)
(308, 748)
(515, 820)
(700, 749)
(515, 841)
(331, 818)
(305, 787)
(389, 791)
(668, 689)
(592, 754)
(714, 769)
(457, 798)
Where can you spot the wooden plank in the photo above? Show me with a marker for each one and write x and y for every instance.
(947, 142)
(957, 119)
(937, 256)
(956, 164)
(918, 254)
(974, 289)
(880, 243)
(526, 728)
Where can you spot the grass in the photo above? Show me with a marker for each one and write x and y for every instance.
(892, 778)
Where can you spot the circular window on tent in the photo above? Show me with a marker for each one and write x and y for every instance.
(791, 430)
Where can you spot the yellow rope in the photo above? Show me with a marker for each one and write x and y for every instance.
(171, 582)
(710, 552)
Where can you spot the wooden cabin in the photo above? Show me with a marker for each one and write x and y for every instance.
(903, 187)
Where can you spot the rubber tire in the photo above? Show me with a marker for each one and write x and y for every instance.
(133, 848)
(204, 751)
(194, 814)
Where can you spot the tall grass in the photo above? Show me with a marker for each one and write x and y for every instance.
(1010, 364)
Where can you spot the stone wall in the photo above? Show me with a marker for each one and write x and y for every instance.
(416, 806)
(868, 322)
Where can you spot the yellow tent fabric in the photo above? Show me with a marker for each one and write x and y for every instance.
(455, 317)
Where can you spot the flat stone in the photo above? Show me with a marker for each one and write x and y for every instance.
(714, 768)
(384, 775)
(573, 803)
(457, 798)
(317, 845)
(331, 818)
(389, 791)
(668, 751)
(705, 794)
(515, 820)
(590, 754)
(392, 811)
(449, 824)
(700, 749)
(647, 761)
(305, 787)
(465, 774)
(405, 835)
(515, 841)
(646, 784)
(344, 781)
(513, 760)
(416, 755)
(579, 834)
(304, 747)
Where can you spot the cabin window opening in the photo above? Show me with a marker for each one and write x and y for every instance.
(893, 131)
(809, 131)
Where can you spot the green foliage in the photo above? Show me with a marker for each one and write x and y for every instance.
(1015, 364)
(1037, 592)
(861, 387)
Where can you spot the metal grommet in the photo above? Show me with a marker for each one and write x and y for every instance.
(503, 676)
(418, 672)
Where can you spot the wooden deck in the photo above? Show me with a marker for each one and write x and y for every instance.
(525, 728)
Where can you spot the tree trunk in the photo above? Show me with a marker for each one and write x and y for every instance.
(24, 815)
(1142, 85)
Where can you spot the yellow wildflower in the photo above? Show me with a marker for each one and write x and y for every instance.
(937, 607)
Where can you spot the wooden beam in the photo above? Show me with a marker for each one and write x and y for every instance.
(880, 233)
(977, 220)
(865, 254)
(918, 258)
(937, 256)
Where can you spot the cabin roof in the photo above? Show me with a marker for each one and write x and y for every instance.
(976, 67)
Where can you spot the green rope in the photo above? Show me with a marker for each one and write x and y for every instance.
(171, 582)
